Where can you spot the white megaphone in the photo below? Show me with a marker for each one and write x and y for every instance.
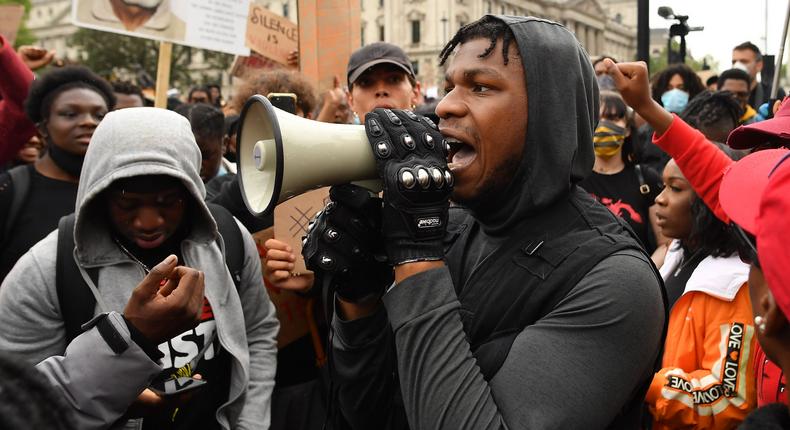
(281, 155)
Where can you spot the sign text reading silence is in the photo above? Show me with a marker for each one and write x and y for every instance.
(271, 35)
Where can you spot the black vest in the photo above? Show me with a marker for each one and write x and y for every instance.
(521, 281)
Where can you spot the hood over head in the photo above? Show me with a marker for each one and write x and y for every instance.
(136, 142)
(562, 95)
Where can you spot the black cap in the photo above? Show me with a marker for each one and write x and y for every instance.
(377, 53)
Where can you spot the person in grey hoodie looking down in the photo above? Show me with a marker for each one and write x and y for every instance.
(526, 305)
(141, 200)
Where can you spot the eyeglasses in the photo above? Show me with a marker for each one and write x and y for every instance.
(747, 249)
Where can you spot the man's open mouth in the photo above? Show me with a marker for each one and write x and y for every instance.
(459, 154)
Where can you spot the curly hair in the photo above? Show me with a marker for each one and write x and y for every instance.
(28, 400)
(44, 91)
(691, 82)
(487, 27)
(275, 81)
(207, 120)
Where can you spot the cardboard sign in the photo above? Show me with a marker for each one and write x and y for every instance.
(206, 24)
(271, 35)
(244, 66)
(10, 21)
(328, 34)
(292, 217)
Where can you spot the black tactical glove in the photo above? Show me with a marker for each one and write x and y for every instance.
(344, 241)
(411, 158)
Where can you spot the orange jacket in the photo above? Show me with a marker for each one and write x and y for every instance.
(707, 380)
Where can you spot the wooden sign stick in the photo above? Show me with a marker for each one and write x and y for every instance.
(163, 74)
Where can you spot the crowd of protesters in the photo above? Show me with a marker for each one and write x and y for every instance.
(561, 242)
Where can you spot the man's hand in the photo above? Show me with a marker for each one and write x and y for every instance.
(344, 242)
(168, 301)
(35, 57)
(293, 59)
(279, 264)
(335, 104)
(633, 84)
(411, 159)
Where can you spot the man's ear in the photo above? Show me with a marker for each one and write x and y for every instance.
(775, 319)
(758, 66)
(415, 95)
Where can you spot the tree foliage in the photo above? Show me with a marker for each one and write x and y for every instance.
(116, 56)
(24, 36)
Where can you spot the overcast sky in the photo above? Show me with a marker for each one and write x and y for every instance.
(727, 23)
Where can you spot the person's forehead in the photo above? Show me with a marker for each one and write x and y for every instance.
(743, 54)
(734, 83)
(467, 56)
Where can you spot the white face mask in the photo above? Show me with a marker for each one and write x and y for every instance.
(742, 66)
(147, 4)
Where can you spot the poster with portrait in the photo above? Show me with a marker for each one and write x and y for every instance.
(206, 24)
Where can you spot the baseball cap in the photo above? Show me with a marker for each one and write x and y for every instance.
(377, 53)
(773, 229)
(743, 184)
(774, 131)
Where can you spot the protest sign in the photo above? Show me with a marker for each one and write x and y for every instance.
(271, 35)
(328, 34)
(10, 21)
(207, 24)
(291, 218)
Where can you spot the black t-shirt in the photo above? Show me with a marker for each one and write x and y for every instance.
(214, 367)
(621, 194)
(47, 201)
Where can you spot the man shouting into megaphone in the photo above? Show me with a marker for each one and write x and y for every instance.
(526, 303)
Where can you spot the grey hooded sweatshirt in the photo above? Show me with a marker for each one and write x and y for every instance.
(128, 143)
(585, 362)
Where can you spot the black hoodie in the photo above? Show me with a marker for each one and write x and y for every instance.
(548, 314)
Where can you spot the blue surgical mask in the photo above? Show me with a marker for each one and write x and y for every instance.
(675, 100)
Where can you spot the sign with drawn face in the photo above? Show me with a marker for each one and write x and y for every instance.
(206, 24)
(271, 35)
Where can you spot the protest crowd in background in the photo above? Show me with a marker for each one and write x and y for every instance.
(561, 242)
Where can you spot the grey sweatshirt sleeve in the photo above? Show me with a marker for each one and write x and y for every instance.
(98, 384)
(574, 368)
(262, 327)
(363, 367)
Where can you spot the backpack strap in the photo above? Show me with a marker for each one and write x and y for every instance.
(20, 180)
(233, 240)
(643, 187)
(77, 302)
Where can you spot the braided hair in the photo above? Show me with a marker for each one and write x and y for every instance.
(487, 27)
(709, 108)
(28, 400)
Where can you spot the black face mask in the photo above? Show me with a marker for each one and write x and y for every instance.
(230, 156)
(71, 163)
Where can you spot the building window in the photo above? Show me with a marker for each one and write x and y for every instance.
(415, 65)
(415, 32)
(361, 4)
(286, 9)
(381, 33)
(502, 9)
(362, 36)
(381, 3)
(488, 6)
(461, 24)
